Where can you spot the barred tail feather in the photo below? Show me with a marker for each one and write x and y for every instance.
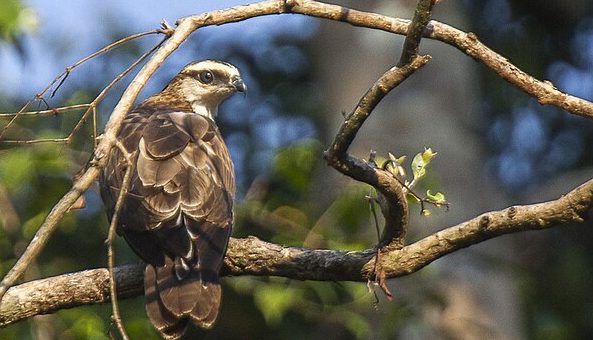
(171, 303)
(167, 324)
(205, 311)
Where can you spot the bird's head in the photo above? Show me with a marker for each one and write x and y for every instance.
(205, 84)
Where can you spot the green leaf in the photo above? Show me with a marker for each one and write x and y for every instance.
(396, 165)
(428, 155)
(418, 167)
(15, 18)
(438, 197)
(420, 162)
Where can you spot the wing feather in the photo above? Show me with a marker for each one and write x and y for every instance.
(178, 214)
(164, 138)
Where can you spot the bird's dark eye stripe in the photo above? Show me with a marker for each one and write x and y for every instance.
(200, 75)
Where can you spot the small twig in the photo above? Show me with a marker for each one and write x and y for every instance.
(62, 76)
(371, 200)
(378, 274)
(51, 112)
(66, 74)
(95, 132)
(105, 91)
(166, 28)
(112, 235)
(36, 141)
(90, 108)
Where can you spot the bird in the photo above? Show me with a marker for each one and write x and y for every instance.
(177, 215)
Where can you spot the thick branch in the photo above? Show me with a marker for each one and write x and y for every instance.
(252, 256)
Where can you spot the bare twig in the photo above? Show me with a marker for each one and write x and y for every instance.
(62, 76)
(105, 91)
(123, 191)
(91, 108)
(50, 112)
(85, 180)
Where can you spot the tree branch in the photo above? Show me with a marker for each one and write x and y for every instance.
(415, 31)
(392, 197)
(396, 209)
(270, 259)
(468, 43)
(251, 256)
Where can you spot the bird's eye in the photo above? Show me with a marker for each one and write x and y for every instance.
(205, 77)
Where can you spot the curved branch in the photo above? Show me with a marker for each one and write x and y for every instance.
(251, 256)
(468, 43)
(395, 210)
(391, 195)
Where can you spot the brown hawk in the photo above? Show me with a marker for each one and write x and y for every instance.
(178, 212)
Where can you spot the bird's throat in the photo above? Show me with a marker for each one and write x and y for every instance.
(204, 110)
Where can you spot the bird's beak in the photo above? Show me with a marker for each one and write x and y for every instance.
(239, 85)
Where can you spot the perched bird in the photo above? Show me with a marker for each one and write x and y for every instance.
(178, 213)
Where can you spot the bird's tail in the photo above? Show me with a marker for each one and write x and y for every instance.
(171, 302)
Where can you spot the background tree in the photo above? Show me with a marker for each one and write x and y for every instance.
(276, 135)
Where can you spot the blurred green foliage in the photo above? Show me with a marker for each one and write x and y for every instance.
(15, 20)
